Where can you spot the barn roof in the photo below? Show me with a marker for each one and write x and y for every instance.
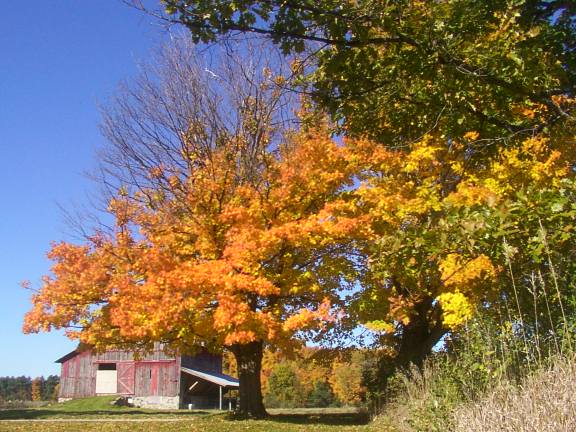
(67, 356)
(213, 377)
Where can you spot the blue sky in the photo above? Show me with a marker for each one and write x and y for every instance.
(59, 60)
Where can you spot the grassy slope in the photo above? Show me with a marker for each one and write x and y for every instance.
(86, 404)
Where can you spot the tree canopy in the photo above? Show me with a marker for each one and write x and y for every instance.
(394, 70)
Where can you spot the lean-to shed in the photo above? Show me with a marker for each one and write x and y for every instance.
(157, 380)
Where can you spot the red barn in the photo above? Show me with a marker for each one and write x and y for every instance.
(157, 380)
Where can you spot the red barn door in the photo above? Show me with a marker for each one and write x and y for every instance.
(126, 372)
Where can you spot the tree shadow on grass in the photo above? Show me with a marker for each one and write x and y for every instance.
(32, 413)
(336, 419)
(353, 418)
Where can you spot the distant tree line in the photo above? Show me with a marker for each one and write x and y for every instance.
(314, 377)
(28, 389)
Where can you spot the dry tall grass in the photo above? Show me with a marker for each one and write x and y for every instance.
(546, 402)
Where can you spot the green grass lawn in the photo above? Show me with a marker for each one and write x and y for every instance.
(96, 414)
(94, 407)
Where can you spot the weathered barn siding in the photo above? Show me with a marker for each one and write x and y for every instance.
(113, 356)
(159, 378)
(78, 377)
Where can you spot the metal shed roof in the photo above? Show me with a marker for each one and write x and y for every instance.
(216, 378)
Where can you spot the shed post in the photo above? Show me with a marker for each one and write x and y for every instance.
(220, 387)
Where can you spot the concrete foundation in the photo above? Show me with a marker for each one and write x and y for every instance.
(157, 402)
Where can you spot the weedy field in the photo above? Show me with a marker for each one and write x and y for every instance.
(96, 414)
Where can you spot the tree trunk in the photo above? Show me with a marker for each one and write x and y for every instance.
(420, 335)
(249, 361)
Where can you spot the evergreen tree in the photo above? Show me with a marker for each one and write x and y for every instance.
(321, 395)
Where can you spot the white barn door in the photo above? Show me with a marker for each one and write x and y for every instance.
(106, 382)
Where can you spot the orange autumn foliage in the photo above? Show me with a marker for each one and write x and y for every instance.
(229, 255)
(346, 380)
(36, 392)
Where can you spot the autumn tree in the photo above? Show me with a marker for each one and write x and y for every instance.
(313, 368)
(394, 70)
(36, 392)
(443, 226)
(346, 379)
(304, 373)
(229, 230)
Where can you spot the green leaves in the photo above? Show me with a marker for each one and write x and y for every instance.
(395, 70)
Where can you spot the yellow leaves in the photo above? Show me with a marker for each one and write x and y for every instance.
(534, 162)
(422, 155)
(346, 381)
(121, 209)
(380, 326)
(300, 320)
(174, 181)
(233, 258)
(279, 80)
(365, 154)
(401, 185)
(458, 271)
(468, 194)
(528, 113)
(535, 145)
(456, 309)
(549, 168)
(427, 198)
